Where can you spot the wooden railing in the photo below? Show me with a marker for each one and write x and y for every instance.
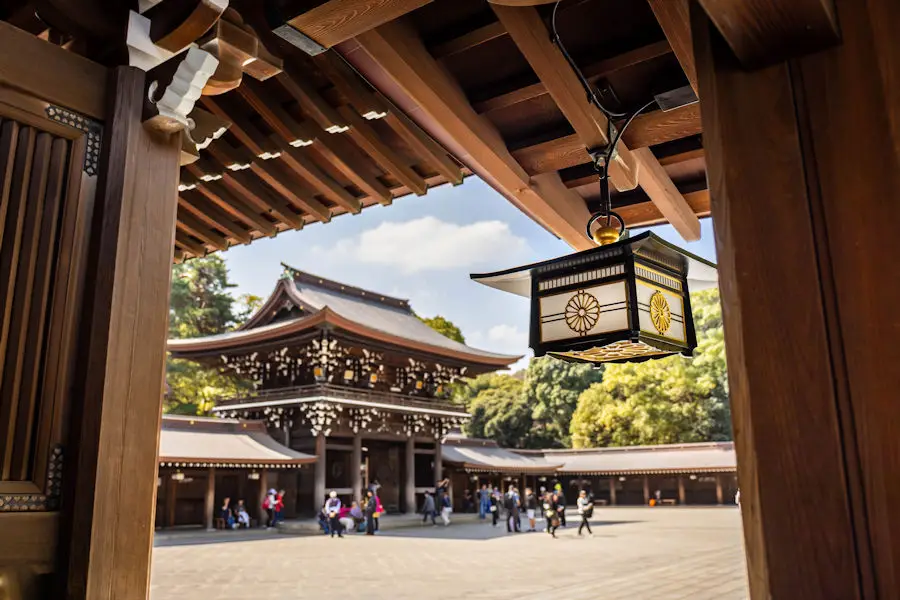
(339, 392)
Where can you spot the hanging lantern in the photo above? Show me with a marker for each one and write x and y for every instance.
(626, 301)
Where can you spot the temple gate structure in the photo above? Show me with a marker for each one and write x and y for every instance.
(351, 376)
(137, 133)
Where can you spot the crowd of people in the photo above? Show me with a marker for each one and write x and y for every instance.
(236, 516)
(336, 518)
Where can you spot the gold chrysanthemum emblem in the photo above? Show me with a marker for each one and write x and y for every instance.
(660, 313)
(582, 312)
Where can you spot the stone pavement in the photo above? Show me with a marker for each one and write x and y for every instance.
(636, 553)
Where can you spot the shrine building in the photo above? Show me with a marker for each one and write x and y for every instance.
(351, 376)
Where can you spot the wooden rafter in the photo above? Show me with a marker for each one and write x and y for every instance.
(369, 141)
(299, 162)
(421, 142)
(528, 31)
(197, 228)
(206, 211)
(476, 37)
(312, 103)
(674, 19)
(645, 214)
(401, 54)
(219, 194)
(649, 129)
(295, 133)
(243, 130)
(336, 21)
(184, 241)
(592, 72)
(658, 185)
(277, 178)
(250, 188)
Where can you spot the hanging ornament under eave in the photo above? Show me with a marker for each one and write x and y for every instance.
(627, 301)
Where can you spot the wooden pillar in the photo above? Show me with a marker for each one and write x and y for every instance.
(171, 499)
(438, 460)
(719, 495)
(263, 490)
(115, 417)
(612, 491)
(209, 503)
(409, 489)
(808, 301)
(646, 490)
(682, 497)
(319, 480)
(356, 466)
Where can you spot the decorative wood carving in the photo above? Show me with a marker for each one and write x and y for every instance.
(175, 24)
(174, 87)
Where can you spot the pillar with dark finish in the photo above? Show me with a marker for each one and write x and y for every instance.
(109, 513)
(263, 490)
(682, 497)
(438, 461)
(356, 466)
(209, 502)
(646, 490)
(171, 499)
(808, 303)
(612, 491)
(319, 479)
(409, 488)
(719, 495)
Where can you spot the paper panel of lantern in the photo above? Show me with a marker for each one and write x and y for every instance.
(623, 302)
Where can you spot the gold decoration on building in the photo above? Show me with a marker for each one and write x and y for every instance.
(660, 313)
(582, 312)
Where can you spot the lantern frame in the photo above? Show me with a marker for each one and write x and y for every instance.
(656, 276)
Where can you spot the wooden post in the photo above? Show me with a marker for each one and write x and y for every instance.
(319, 483)
(409, 489)
(682, 497)
(115, 418)
(171, 499)
(356, 465)
(209, 503)
(646, 490)
(612, 491)
(719, 497)
(806, 304)
(438, 460)
(263, 490)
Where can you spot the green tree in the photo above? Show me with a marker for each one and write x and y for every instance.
(551, 389)
(672, 400)
(445, 328)
(498, 408)
(201, 304)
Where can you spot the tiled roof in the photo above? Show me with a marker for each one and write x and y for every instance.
(681, 458)
(487, 456)
(208, 442)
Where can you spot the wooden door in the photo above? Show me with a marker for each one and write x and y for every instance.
(50, 134)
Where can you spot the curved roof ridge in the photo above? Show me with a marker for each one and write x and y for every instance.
(301, 277)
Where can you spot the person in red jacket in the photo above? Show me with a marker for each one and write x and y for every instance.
(279, 506)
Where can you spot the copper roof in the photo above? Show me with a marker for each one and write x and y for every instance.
(487, 456)
(202, 441)
(671, 458)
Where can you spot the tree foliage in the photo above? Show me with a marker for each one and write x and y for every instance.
(445, 328)
(201, 304)
(551, 390)
(498, 408)
(665, 401)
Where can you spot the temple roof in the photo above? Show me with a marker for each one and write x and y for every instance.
(316, 301)
(485, 455)
(670, 458)
(202, 441)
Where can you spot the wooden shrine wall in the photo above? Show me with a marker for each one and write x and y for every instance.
(48, 165)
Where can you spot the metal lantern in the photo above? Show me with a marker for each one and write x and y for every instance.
(623, 302)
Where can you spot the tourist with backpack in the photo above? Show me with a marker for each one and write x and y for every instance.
(585, 511)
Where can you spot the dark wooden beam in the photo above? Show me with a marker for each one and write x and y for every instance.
(337, 21)
(200, 230)
(479, 36)
(301, 163)
(249, 187)
(592, 72)
(764, 32)
(219, 194)
(209, 212)
(183, 240)
(422, 143)
(648, 129)
(224, 107)
(674, 19)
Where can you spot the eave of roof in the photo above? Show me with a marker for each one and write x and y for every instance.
(326, 315)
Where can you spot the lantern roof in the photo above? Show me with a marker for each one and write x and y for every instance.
(701, 273)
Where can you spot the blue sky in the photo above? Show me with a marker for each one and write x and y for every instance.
(423, 249)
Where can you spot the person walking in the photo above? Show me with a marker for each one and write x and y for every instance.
(333, 512)
(484, 501)
(371, 509)
(494, 500)
(269, 507)
(561, 505)
(512, 510)
(446, 509)
(585, 511)
(279, 507)
(551, 512)
(531, 505)
(428, 509)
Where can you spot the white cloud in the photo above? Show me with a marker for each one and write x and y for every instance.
(507, 336)
(505, 339)
(430, 244)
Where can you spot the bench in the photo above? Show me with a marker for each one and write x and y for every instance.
(669, 501)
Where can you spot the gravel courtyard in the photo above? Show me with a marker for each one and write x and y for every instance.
(636, 553)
